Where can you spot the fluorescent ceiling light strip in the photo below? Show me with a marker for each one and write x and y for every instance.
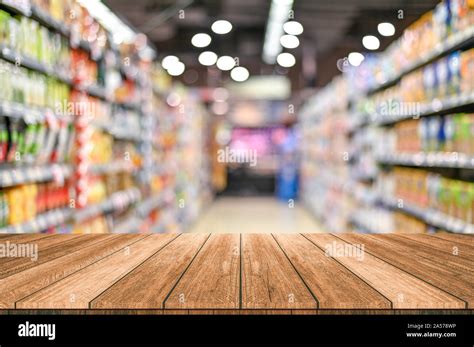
(278, 15)
(109, 20)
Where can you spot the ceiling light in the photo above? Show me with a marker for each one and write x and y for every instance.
(355, 58)
(201, 40)
(176, 69)
(278, 15)
(371, 42)
(221, 27)
(289, 41)
(386, 29)
(225, 63)
(207, 58)
(113, 24)
(169, 61)
(286, 59)
(239, 74)
(293, 28)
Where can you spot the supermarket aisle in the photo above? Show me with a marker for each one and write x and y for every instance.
(255, 215)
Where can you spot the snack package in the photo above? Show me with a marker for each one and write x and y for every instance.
(454, 83)
(442, 72)
(467, 71)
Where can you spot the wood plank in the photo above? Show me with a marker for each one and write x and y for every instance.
(212, 280)
(403, 289)
(148, 285)
(456, 248)
(15, 287)
(23, 238)
(466, 239)
(456, 282)
(446, 259)
(79, 289)
(334, 286)
(47, 249)
(269, 281)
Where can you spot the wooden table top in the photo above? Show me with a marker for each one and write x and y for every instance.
(239, 273)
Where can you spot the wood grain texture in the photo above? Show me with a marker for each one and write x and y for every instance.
(47, 249)
(466, 239)
(21, 238)
(79, 289)
(433, 271)
(148, 285)
(212, 280)
(447, 259)
(319, 271)
(238, 274)
(401, 288)
(15, 287)
(268, 278)
(452, 247)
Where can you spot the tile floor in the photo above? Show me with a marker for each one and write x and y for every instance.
(255, 215)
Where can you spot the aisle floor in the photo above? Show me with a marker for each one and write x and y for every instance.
(255, 215)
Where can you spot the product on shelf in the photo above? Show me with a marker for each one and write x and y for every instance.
(22, 141)
(31, 89)
(29, 38)
(84, 69)
(431, 191)
(451, 19)
(101, 147)
(467, 71)
(58, 9)
(63, 99)
(97, 225)
(446, 133)
(404, 223)
(23, 203)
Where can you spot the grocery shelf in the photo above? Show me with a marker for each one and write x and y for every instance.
(432, 217)
(146, 206)
(15, 58)
(41, 222)
(14, 7)
(112, 167)
(437, 106)
(119, 134)
(48, 21)
(363, 224)
(96, 91)
(429, 159)
(455, 42)
(28, 113)
(117, 201)
(10, 177)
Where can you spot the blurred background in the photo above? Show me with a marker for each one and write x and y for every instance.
(236, 116)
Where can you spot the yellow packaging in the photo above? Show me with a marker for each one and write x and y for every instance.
(15, 201)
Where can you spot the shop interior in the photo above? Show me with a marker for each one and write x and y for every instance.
(280, 116)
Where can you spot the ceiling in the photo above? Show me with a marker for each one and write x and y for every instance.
(332, 29)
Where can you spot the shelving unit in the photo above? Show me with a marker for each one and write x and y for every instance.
(375, 147)
(122, 182)
(29, 174)
(455, 42)
(429, 159)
